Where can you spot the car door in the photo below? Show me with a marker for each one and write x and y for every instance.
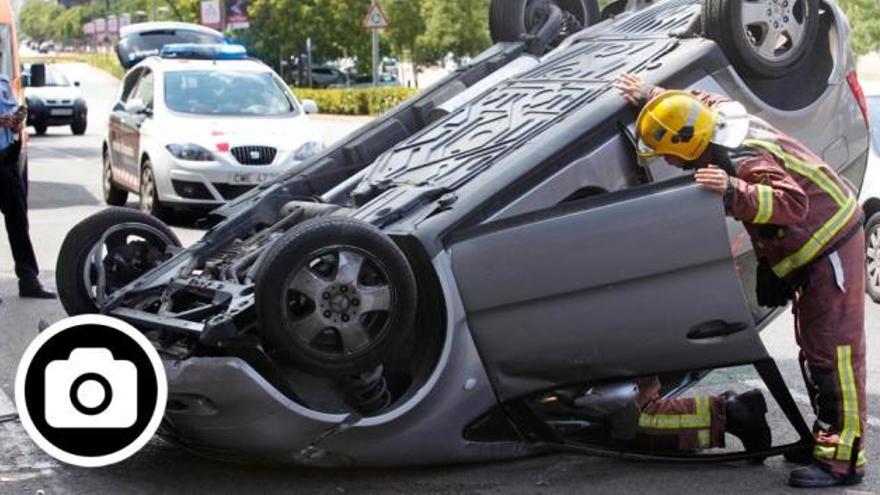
(627, 284)
(120, 155)
(131, 123)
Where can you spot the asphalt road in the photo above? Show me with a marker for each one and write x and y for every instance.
(65, 188)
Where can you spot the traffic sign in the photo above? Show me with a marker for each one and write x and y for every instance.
(375, 18)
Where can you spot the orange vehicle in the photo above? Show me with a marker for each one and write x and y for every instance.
(10, 65)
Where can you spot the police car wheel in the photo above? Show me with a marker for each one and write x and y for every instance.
(113, 194)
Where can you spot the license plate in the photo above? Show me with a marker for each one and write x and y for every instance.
(61, 111)
(252, 178)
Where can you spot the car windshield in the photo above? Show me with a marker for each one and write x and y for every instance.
(227, 93)
(874, 106)
(56, 78)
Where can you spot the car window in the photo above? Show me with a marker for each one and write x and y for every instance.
(6, 62)
(129, 85)
(144, 91)
(227, 93)
(55, 77)
(874, 105)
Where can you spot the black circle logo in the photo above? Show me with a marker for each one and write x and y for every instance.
(75, 390)
(91, 390)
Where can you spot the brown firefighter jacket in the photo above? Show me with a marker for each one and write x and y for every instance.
(793, 204)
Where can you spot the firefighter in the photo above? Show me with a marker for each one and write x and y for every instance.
(806, 226)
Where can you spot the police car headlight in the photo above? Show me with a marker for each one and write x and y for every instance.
(308, 150)
(190, 152)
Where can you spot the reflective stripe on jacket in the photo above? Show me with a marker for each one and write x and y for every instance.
(793, 204)
(831, 208)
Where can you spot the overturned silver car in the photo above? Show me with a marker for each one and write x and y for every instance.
(417, 293)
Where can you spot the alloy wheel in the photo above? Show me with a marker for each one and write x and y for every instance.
(148, 191)
(338, 302)
(775, 29)
(108, 176)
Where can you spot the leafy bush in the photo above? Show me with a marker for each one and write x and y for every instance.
(106, 62)
(367, 101)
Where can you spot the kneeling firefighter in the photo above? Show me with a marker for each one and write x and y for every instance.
(806, 227)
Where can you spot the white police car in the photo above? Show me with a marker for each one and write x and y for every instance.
(200, 125)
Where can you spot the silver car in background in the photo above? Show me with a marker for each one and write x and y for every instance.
(870, 197)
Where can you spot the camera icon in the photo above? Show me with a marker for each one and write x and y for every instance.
(91, 390)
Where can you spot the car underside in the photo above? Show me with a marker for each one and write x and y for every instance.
(352, 310)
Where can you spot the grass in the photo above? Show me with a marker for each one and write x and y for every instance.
(105, 62)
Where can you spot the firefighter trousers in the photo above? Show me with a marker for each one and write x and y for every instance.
(830, 330)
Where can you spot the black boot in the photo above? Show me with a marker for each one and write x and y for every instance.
(33, 289)
(816, 476)
(746, 419)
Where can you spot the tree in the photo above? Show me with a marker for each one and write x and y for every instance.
(457, 26)
(36, 19)
(864, 15)
(407, 24)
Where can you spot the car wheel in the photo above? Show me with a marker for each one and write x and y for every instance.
(872, 232)
(763, 38)
(509, 20)
(113, 194)
(335, 297)
(41, 129)
(149, 202)
(79, 125)
(106, 252)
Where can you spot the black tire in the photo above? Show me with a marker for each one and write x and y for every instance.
(113, 194)
(509, 20)
(723, 22)
(294, 255)
(872, 240)
(149, 202)
(77, 246)
(79, 125)
(41, 129)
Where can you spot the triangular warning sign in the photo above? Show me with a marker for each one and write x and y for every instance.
(375, 18)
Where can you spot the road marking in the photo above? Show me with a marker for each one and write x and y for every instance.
(804, 399)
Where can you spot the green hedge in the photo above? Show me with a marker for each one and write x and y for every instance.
(106, 62)
(367, 101)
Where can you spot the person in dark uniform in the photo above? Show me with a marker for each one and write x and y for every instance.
(13, 195)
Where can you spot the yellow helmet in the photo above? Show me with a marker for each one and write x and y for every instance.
(675, 123)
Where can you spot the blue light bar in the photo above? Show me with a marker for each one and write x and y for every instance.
(195, 51)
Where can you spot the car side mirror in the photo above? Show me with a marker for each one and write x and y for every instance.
(38, 76)
(136, 107)
(25, 80)
(309, 106)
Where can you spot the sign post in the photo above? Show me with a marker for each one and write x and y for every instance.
(375, 21)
